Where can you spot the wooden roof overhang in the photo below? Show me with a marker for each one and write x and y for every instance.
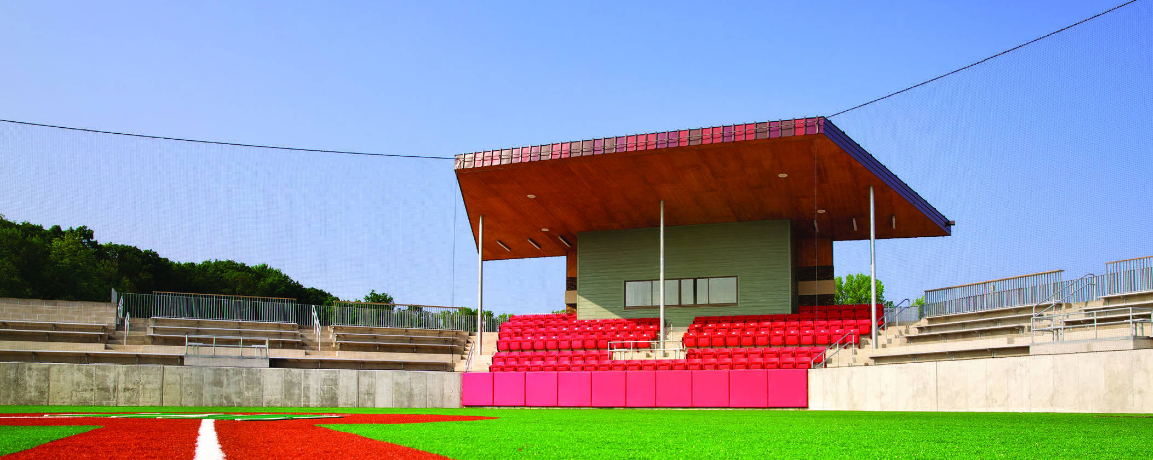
(708, 175)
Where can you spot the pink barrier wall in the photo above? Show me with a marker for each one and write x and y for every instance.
(788, 388)
(574, 389)
(540, 389)
(749, 388)
(714, 388)
(476, 389)
(711, 388)
(641, 389)
(675, 389)
(608, 389)
(508, 389)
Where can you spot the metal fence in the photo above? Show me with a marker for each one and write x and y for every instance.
(271, 309)
(991, 295)
(1120, 277)
(1130, 275)
(210, 306)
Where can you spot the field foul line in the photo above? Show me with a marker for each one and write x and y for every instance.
(207, 446)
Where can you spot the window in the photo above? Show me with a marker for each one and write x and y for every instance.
(638, 293)
(687, 291)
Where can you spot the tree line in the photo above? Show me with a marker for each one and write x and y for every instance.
(69, 264)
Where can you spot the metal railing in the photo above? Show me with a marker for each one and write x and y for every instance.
(993, 294)
(316, 329)
(127, 326)
(1056, 323)
(1130, 275)
(210, 306)
(269, 309)
(627, 349)
(1067, 291)
(195, 348)
(893, 313)
(826, 356)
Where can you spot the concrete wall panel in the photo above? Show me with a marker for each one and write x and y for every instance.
(1098, 382)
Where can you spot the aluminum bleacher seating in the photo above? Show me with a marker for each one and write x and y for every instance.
(399, 339)
(565, 332)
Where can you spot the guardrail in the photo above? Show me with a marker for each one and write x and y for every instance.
(1130, 275)
(629, 350)
(1056, 323)
(993, 294)
(194, 348)
(826, 356)
(268, 309)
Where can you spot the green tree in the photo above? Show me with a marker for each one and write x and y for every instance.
(375, 297)
(857, 289)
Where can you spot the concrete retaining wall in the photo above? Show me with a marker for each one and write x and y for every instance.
(143, 385)
(1104, 382)
(57, 311)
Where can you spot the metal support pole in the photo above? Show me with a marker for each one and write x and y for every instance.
(479, 285)
(873, 265)
(662, 281)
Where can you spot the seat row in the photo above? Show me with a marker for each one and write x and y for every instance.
(782, 358)
(775, 337)
(576, 341)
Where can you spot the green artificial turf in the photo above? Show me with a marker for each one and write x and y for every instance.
(18, 438)
(708, 434)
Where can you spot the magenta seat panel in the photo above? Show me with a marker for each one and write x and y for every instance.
(574, 389)
(788, 388)
(675, 388)
(540, 389)
(641, 388)
(711, 388)
(508, 388)
(476, 389)
(608, 389)
(749, 388)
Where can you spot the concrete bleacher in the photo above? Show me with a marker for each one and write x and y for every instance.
(89, 332)
(1008, 332)
(366, 338)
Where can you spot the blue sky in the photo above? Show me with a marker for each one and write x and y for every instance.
(1041, 156)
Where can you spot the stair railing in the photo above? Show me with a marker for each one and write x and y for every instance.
(127, 325)
(1058, 298)
(836, 346)
(897, 309)
(316, 329)
(471, 353)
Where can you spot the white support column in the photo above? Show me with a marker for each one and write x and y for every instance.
(480, 285)
(662, 280)
(873, 266)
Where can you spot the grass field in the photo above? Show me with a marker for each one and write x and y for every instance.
(18, 438)
(706, 434)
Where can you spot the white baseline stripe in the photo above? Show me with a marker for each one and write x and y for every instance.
(207, 446)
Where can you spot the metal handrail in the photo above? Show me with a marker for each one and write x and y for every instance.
(1054, 303)
(258, 349)
(316, 329)
(127, 326)
(1059, 330)
(471, 352)
(836, 346)
(897, 309)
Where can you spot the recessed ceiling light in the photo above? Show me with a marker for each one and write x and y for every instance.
(533, 243)
(563, 240)
(532, 196)
(820, 211)
(782, 175)
(505, 246)
(544, 229)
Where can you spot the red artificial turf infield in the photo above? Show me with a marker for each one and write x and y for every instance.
(168, 439)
